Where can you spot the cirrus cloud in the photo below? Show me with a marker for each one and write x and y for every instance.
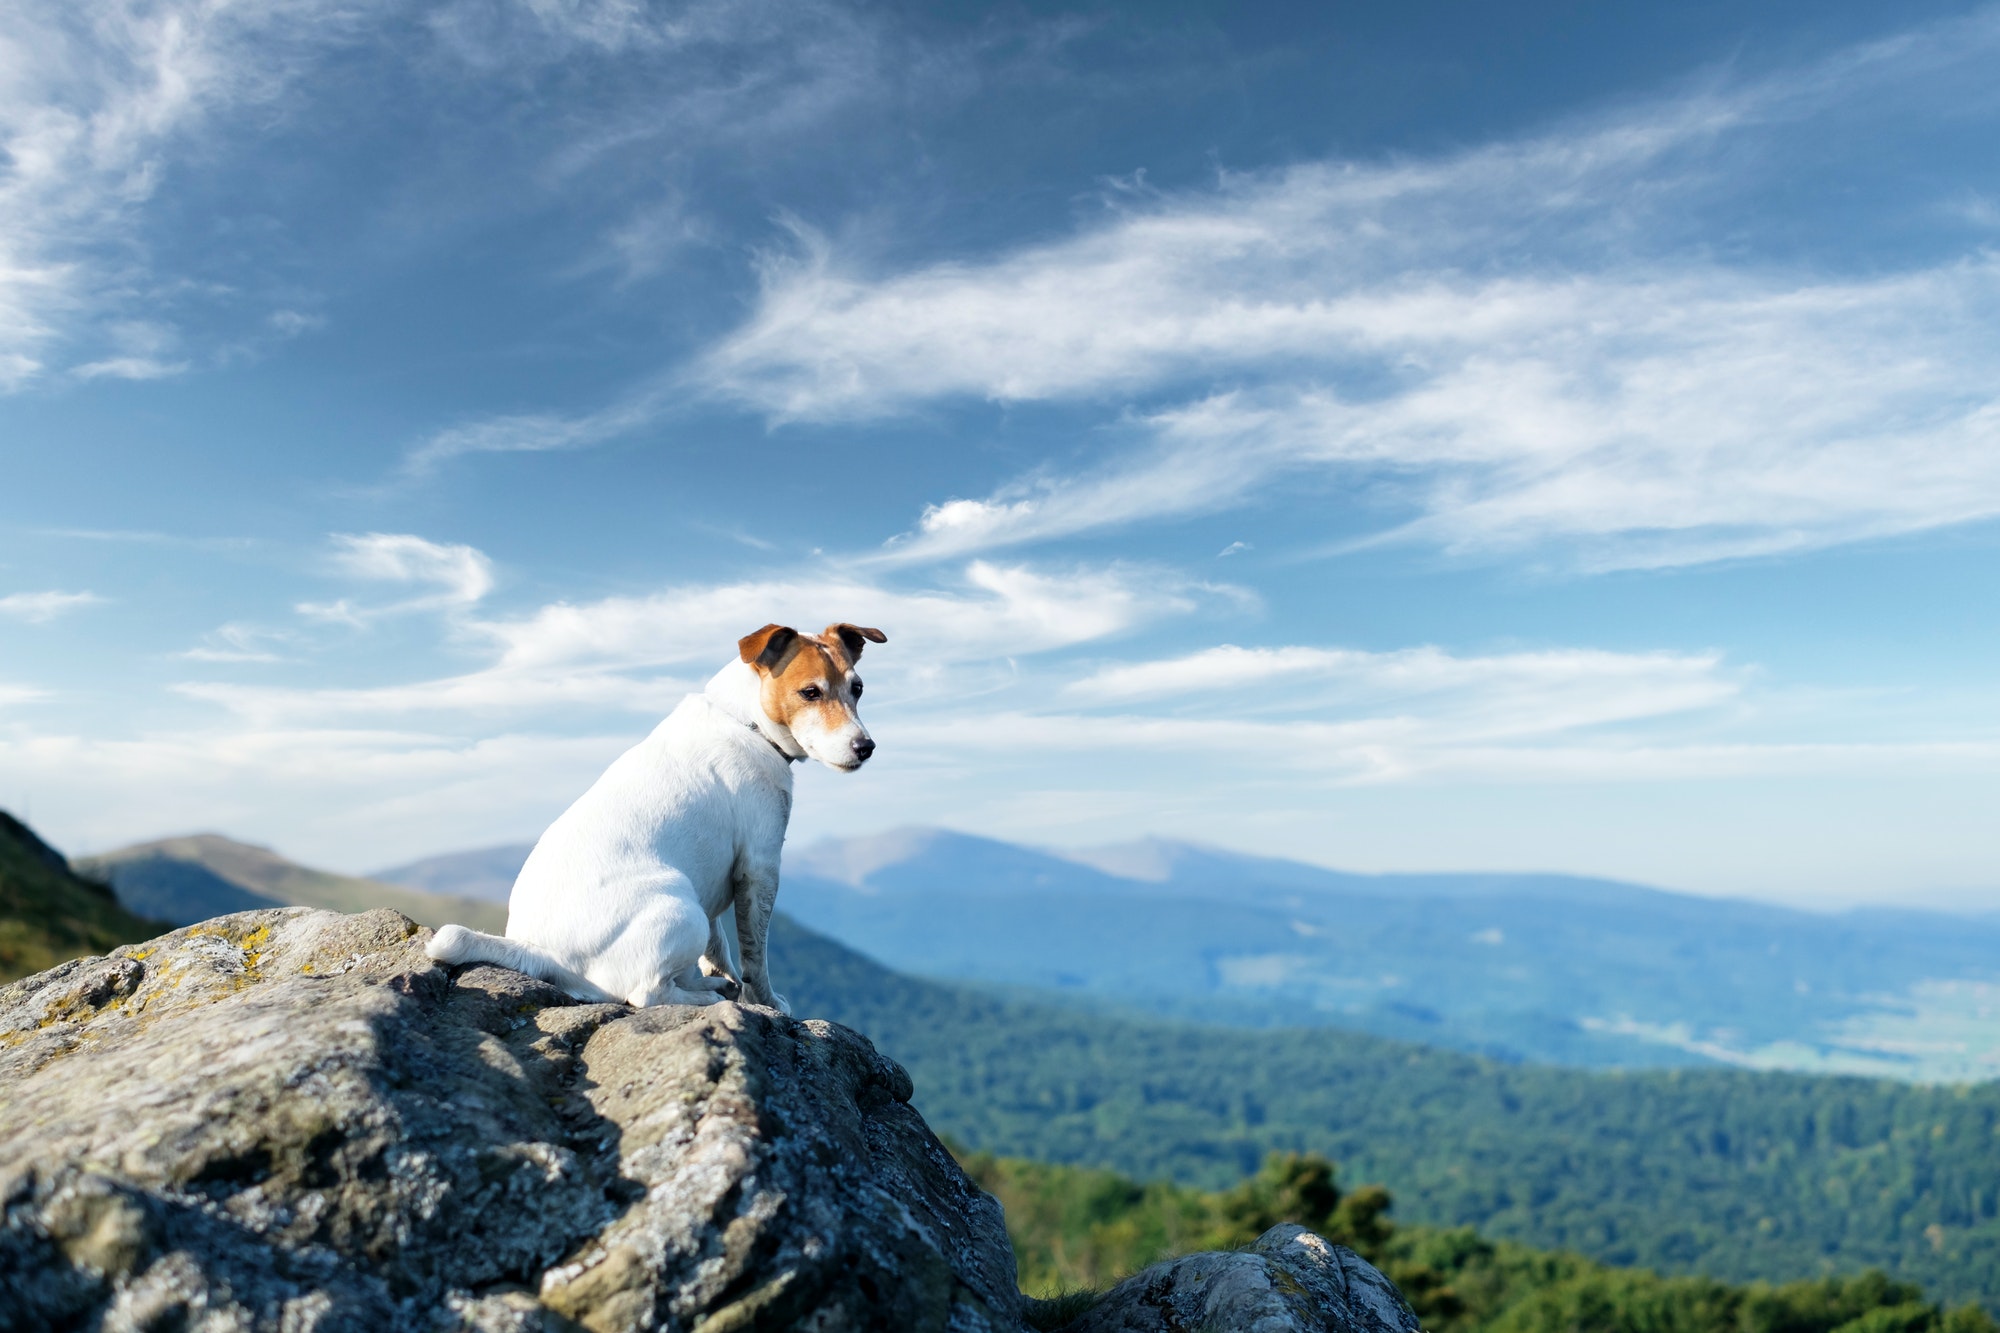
(39, 608)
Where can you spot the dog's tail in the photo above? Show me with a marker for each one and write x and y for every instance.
(456, 944)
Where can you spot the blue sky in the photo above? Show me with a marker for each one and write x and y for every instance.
(1432, 436)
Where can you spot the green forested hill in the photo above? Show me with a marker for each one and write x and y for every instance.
(1077, 1230)
(1735, 1175)
(47, 913)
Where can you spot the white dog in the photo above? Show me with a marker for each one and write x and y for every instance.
(623, 897)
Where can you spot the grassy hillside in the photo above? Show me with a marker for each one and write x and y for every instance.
(1732, 1174)
(1077, 1230)
(48, 914)
(204, 874)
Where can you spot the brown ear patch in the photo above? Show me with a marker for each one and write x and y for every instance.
(853, 638)
(769, 648)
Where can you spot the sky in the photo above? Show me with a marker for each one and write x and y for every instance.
(1423, 437)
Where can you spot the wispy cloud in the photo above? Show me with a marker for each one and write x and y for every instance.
(94, 99)
(642, 653)
(531, 432)
(103, 103)
(1515, 345)
(458, 576)
(240, 643)
(1244, 755)
(1537, 691)
(40, 607)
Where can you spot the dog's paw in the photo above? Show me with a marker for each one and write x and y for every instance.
(781, 1004)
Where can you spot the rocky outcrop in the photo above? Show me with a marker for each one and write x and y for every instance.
(292, 1119)
(1290, 1281)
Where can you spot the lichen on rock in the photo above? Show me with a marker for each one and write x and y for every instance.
(293, 1119)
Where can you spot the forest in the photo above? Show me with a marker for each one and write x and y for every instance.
(1077, 1231)
(1734, 1175)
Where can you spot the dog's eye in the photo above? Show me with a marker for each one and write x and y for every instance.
(857, 689)
(810, 693)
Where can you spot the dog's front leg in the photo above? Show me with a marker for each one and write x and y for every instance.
(756, 895)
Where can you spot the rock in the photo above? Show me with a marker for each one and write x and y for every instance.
(1290, 1281)
(292, 1119)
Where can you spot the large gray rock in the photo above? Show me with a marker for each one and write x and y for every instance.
(1290, 1281)
(294, 1120)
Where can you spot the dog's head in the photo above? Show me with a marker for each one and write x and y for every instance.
(808, 686)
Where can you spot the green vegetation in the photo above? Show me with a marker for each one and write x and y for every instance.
(1730, 1174)
(1077, 1231)
(49, 915)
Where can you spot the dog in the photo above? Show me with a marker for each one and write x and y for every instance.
(670, 861)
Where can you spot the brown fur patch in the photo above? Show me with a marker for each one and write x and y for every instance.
(815, 661)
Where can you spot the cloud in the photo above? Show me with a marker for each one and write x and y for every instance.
(1042, 507)
(460, 576)
(103, 105)
(240, 643)
(1623, 684)
(643, 653)
(94, 101)
(41, 607)
(19, 694)
(1369, 706)
(351, 797)
(1527, 343)
(530, 432)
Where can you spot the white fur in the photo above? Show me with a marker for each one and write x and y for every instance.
(629, 890)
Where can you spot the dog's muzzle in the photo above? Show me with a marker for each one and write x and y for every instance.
(861, 747)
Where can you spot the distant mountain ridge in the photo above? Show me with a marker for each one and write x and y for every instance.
(1564, 968)
(485, 873)
(1521, 966)
(197, 876)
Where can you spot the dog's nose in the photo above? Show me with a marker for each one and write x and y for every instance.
(862, 748)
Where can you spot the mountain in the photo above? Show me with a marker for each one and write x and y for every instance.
(1736, 1174)
(1579, 971)
(202, 875)
(486, 873)
(48, 913)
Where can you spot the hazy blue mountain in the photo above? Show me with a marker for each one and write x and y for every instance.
(168, 888)
(486, 873)
(1542, 967)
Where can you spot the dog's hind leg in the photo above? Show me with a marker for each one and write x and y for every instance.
(658, 952)
(721, 961)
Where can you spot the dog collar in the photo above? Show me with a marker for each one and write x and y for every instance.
(788, 758)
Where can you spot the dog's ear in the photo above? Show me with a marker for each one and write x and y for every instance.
(852, 637)
(769, 648)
